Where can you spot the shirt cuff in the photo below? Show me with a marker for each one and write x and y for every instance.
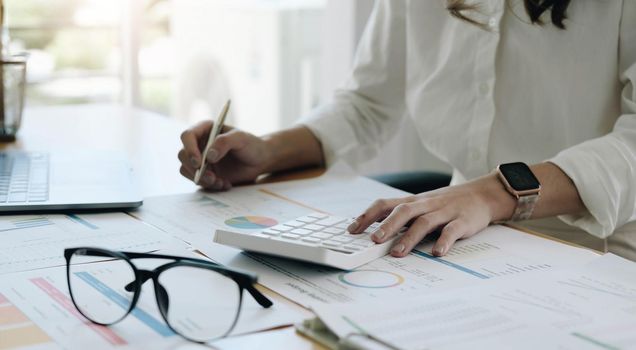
(593, 184)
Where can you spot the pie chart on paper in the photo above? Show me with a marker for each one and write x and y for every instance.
(251, 222)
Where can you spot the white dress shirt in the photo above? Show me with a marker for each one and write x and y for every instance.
(515, 92)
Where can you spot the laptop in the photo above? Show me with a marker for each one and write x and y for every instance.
(49, 181)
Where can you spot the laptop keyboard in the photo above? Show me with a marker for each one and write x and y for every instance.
(24, 177)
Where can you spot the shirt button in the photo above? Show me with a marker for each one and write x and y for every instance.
(492, 23)
(484, 89)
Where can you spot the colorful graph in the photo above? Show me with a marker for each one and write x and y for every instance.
(65, 302)
(147, 319)
(25, 223)
(251, 222)
(450, 264)
(371, 279)
(16, 329)
(82, 221)
(207, 201)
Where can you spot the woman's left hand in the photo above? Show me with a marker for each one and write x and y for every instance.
(460, 211)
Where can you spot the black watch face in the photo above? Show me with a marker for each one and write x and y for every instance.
(519, 176)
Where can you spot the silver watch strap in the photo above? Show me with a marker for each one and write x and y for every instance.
(525, 207)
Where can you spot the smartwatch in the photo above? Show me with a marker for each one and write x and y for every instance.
(519, 180)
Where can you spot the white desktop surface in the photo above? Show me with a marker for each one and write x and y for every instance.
(151, 142)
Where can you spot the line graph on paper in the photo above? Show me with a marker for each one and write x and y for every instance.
(37, 241)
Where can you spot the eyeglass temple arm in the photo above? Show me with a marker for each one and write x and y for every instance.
(259, 297)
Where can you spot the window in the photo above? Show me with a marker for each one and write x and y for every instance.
(177, 57)
(78, 49)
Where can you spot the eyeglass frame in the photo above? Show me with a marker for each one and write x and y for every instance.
(244, 281)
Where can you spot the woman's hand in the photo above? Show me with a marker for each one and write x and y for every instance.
(235, 156)
(460, 211)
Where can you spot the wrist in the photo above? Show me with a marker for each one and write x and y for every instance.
(502, 204)
(291, 148)
(271, 148)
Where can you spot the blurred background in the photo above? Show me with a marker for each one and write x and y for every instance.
(276, 59)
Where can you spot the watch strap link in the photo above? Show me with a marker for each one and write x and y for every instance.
(525, 207)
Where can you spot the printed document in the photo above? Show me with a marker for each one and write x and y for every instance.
(591, 306)
(199, 214)
(495, 253)
(37, 241)
(498, 252)
(36, 312)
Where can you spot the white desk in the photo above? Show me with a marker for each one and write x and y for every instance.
(151, 141)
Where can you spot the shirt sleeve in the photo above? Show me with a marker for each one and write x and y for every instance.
(604, 169)
(367, 111)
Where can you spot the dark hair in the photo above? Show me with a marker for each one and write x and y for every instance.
(534, 8)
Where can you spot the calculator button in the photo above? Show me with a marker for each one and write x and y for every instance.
(321, 235)
(301, 231)
(270, 232)
(329, 221)
(341, 239)
(331, 244)
(281, 228)
(313, 227)
(363, 243)
(333, 230)
(290, 236)
(310, 240)
(294, 223)
(373, 227)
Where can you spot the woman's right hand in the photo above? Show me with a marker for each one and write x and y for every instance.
(235, 157)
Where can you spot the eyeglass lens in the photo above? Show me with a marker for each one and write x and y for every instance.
(198, 303)
(99, 291)
(203, 304)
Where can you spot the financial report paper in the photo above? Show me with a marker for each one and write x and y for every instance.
(586, 307)
(36, 312)
(38, 241)
(498, 252)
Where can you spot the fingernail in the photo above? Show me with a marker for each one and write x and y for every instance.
(194, 161)
(379, 233)
(439, 251)
(209, 176)
(354, 226)
(398, 249)
(212, 155)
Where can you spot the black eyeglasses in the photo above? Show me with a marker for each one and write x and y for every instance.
(198, 299)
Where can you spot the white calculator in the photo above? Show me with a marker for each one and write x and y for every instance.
(317, 238)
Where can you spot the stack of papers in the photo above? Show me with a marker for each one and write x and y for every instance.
(589, 307)
(500, 289)
(36, 312)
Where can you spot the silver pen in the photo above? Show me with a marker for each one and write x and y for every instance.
(216, 130)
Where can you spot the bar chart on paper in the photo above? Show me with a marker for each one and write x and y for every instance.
(17, 330)
(38, 241)
(39, 312)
